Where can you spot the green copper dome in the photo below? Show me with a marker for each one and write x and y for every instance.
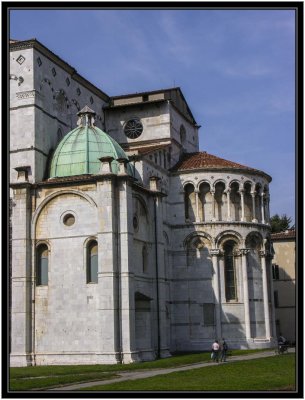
(79, 151)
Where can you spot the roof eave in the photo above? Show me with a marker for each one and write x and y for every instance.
(244, 170)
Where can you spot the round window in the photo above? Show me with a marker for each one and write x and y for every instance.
(69, 219)
(133, 128)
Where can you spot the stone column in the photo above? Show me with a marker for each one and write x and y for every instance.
(228, 191)
(242, 201)
(108, 291)
(262, 207)
(215, 253)
(253, 207)
(197, 219)
(244, 253)
(213, 205)
(21, 284)
(127, 285)
(265, 294)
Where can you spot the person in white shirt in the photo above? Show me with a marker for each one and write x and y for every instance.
(215, 351)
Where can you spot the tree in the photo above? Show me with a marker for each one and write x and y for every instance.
(280, 223)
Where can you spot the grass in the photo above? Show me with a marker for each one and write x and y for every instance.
(21, 384)
(31, 378)
(265, 374)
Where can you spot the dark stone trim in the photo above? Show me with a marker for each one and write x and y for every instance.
(135, 104)
(187, 324)
(29, 149)
(252, 225)
(41, 109)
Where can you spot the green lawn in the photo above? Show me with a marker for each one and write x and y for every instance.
(272, 373)
(27, 378)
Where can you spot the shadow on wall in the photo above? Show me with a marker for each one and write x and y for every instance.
(232, 330)
(284, 290)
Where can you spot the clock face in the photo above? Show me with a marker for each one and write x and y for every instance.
(133, 128)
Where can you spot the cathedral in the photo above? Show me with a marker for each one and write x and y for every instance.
(128, 243)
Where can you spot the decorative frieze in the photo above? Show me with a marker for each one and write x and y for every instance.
(28, 94)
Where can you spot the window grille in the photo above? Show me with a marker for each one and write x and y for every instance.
(230, 278)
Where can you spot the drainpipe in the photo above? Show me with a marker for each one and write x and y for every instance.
(157, 275)
(33, 278)
(118, 277)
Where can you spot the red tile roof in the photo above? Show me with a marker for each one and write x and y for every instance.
(202, 159)
(289, 234)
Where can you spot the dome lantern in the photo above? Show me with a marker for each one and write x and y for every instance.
(86, 117)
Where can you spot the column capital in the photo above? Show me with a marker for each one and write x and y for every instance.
(216, 252)
(244, 252)
(253, 193)
(241, 191)
(212, 192)
(237, 253)
(263, 253)
(197, 191)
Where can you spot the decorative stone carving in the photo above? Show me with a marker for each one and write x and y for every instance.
(244, 252)
(216, 252)
(28, 94)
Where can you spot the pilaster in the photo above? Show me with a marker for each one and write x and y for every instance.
(265, 294)
(160, 279)
(244, 253)
(127, 285)
(215, 253)
(21, 312)
(107, 272)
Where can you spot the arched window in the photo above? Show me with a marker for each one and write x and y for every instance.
(92, 262)
(205, 202)
(248, 202)
(220, 209)
(42, 265)
(189, 202)
(182, 135)
(144, 258)
(235, 202)
(230, 275)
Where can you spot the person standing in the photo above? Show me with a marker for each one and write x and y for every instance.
(215, 351)
(224, 349)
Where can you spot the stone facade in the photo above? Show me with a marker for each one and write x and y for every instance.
(284, 283)
(183, 244)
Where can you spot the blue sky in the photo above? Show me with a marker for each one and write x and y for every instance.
(236, 69)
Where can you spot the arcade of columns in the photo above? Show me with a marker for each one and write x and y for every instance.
(259, 202)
